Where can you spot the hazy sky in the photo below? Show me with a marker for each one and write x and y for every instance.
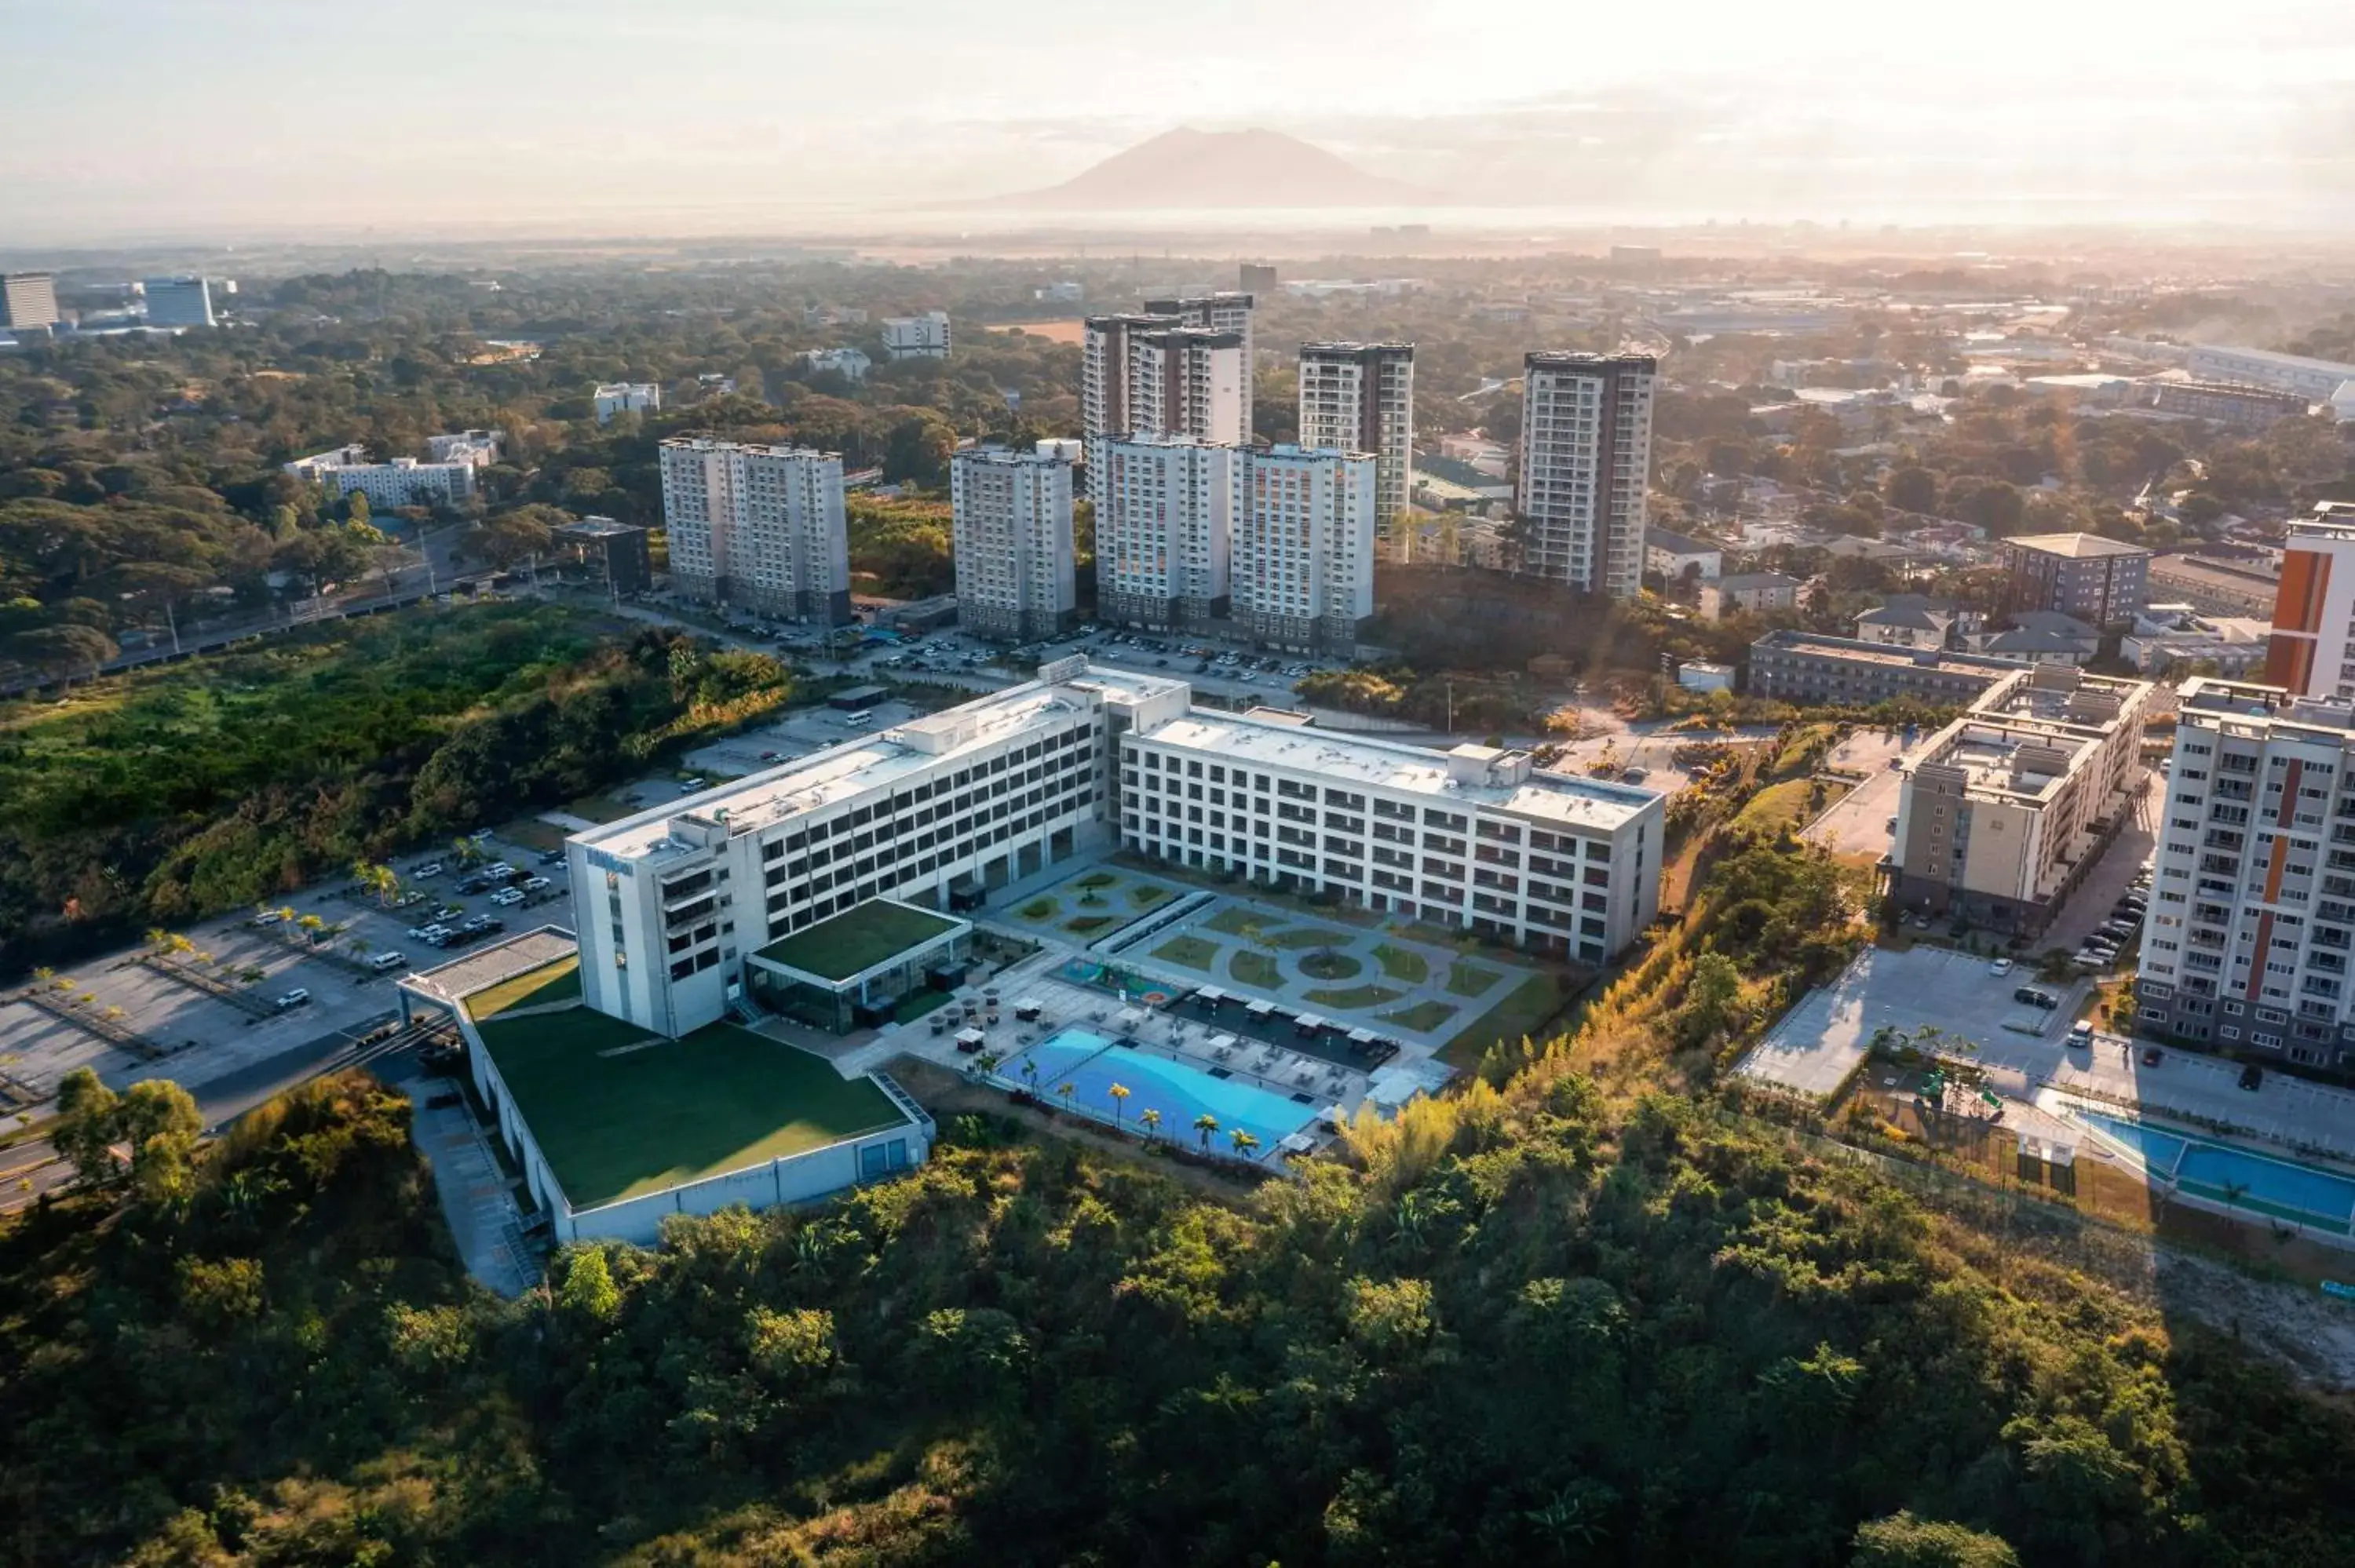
(162, 118)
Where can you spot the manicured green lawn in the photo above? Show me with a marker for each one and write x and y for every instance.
(1356, 997)
(1331, 966)
(1523, 1010)
(1469, 979)
(558, 982)
(1235, 920)
(1300, 937)
(1087, 925)
(1095, 879)
(1038, 910)
(1399, 964)
(856, 939)
(1423, 1017)
(1256, 970)
(1145, 894)
(1191, 951)
(615, 1122)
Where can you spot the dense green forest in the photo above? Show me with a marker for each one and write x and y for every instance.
(187, 790)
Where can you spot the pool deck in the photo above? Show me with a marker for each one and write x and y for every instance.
(2327, 1210)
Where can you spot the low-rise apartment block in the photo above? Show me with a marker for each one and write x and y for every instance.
(614, 397)
(1015, 576)
(916, 337)
(403, 481)
(1803, 667)
(2215, 587)
(761, 526)
(1753, 593)
(2250, 944)
(2001, 813)
(1673, 554)
(2085, 575)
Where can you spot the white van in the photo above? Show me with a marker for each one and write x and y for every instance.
(384, 961)
(858, 720)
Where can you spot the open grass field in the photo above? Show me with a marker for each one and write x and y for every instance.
(617, 1122)
(1403, 964)
(1254, 970)
(559, 981)
(1786, 805)
(856, 939)
(1296, 937)
(1524, 1010)
(1192, 952)
(600, 808)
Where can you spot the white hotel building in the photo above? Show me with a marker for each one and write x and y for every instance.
(1301, 571)
(760, 527)
(1015, 570)
(1164, 529)
(942, 809)
(403, 481)
(916, 337)
(614, 397)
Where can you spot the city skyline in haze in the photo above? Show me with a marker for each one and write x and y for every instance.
(155, 118)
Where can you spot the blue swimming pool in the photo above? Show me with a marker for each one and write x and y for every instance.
(2236, 1176)
(1092, 1063)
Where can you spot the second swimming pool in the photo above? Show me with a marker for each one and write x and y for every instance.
(2235, 1176)
(1092, 1065)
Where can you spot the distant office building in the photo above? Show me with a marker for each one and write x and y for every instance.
(759, 526)
(2312, 379)
(480, 448)
(848, 362)
(916, 337)
(1586, 457)
(2242, 407)
(626, 397)
(403, 481)
(1015, 575)
(1257, 278)
(28, 301)
(1164, 529)
(1803, 667)
(1359, 398)
(179, 303)
(2095, 579)
(1067, 293)
(1220, 312)
(616, 549)
(1301, 571)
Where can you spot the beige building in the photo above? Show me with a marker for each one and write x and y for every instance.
(2002, 813)
(1759, 593)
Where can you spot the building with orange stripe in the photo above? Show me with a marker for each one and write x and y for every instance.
(2309, 653)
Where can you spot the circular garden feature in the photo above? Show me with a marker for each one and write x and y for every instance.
(1326, 965)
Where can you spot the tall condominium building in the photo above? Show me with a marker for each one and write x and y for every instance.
(403, 481)
(184, 302)
(2251, 934)
(1586, 456)
(916, 337)
(1164, 529)
(759, 526)
(2095, 579)
(28, 301)
(614, 397)
(2001, 814)
(1104, 384)
(1359, 396)
(678, 906)
(2311, 652)
(1301, 569)
(1014, 559)
(1227, 311)
(1154, 376)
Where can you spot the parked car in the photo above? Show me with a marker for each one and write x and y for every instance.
(551, 857)
(420, 933)
(507, 896)
(497, 870)
(422, 871)
(293, 999)
(2036, 996)
(533, 884)
(2152, 1055)
(384, 961)
(2252, 1076)
(268, 917)
(2001, 966)
(2081, 1034)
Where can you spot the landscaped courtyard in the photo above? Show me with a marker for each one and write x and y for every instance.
(1092, 904)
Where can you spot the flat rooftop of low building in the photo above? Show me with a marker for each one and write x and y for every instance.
(620, 1112)
(2077, 547)
(1848, 650)
(541, 951)
(1552, 797)
(840, 772)
(858, 939)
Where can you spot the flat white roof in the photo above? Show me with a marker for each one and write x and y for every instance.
(1553, 797)
(870, 762)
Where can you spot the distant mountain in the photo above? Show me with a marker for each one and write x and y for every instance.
(1190, 168)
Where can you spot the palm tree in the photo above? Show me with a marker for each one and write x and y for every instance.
(286, 913)
(1149, 1119)
(44, 973)
(1067, 1091)
(1119, 1093)
(158, 939)
(1243, 1142)
(311, 926)
(1205, 1124)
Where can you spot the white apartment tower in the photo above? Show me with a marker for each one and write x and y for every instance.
(1227, 311)
(1013, 539)
(1104, 386)
(1301, 571)
(757, 526)
(1152, 376)
(1164, 529)
(1586, 456)
(2250, 944)
(1359, 396)
(916, 337)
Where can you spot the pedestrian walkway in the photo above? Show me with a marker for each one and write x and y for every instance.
(484, 1220)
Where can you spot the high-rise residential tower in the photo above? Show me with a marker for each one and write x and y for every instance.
(28, 301)
(1014, 562)
(759, 526)
(1359, 396)
(1300, 568)
(1164, 529)
(1586, 456)
(186, 302)
(2312, 651)
(1147, 374)
(1226, 311)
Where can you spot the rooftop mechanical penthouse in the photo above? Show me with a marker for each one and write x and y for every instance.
(938, 812)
